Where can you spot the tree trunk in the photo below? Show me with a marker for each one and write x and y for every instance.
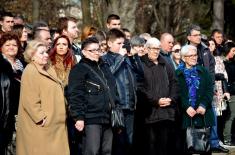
(100, 12)
(167, 16)
(86, 12)
(35, 4)
(144, 16)
(218, 15)
(126, 9)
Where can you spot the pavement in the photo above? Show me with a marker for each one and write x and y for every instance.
(231, 151)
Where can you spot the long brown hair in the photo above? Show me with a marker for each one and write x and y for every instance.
(68, 58)
(18, 30)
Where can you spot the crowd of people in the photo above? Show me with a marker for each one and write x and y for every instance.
(57, 94)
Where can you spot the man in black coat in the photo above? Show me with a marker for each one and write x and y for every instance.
(205, 58)
(161, 95)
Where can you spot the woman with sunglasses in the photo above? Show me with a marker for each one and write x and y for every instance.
(176, 54)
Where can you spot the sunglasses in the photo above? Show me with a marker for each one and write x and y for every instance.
(176, 51)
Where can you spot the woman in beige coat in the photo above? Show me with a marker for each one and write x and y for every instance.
(42, 114)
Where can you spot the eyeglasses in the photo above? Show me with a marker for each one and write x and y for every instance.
(191, 56)
(154, 49)
(138, 46)
(42, 29)
(196, 35)
(176, 51)
(94, 50)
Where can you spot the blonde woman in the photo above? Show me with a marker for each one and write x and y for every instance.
(42, 114)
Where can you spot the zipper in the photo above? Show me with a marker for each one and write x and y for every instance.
(103, 75)
(94, 84)
(110, 106)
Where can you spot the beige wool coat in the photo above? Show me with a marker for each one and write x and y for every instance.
(41, 97)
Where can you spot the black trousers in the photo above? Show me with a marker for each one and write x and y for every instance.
(160, 138)
(97, 139)
(75, 138)
(122, 141)
(3, 143)
(139, 131)
(5, 139)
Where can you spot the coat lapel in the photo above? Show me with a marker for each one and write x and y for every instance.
(48, 72)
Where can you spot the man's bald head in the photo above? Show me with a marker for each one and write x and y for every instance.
(167, 41)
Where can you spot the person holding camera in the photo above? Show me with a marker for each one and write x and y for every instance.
(123, 65)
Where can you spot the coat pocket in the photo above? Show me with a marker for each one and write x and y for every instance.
(92, 88)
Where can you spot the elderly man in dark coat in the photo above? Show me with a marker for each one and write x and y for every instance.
(160, 91)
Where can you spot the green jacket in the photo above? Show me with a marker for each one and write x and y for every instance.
(204, 98)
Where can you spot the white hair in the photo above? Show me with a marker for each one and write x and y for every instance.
(152, 41)
(185, 49)
(146, 36)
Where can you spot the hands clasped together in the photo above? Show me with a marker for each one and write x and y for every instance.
(191, 111)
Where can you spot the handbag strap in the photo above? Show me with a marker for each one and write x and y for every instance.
(102, 81)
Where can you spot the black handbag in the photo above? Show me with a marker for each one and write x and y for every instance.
(117, 116)
(198, 139)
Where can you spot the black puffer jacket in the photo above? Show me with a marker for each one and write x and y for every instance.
(88, 99)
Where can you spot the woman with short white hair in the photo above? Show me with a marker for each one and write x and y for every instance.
(196, 90)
